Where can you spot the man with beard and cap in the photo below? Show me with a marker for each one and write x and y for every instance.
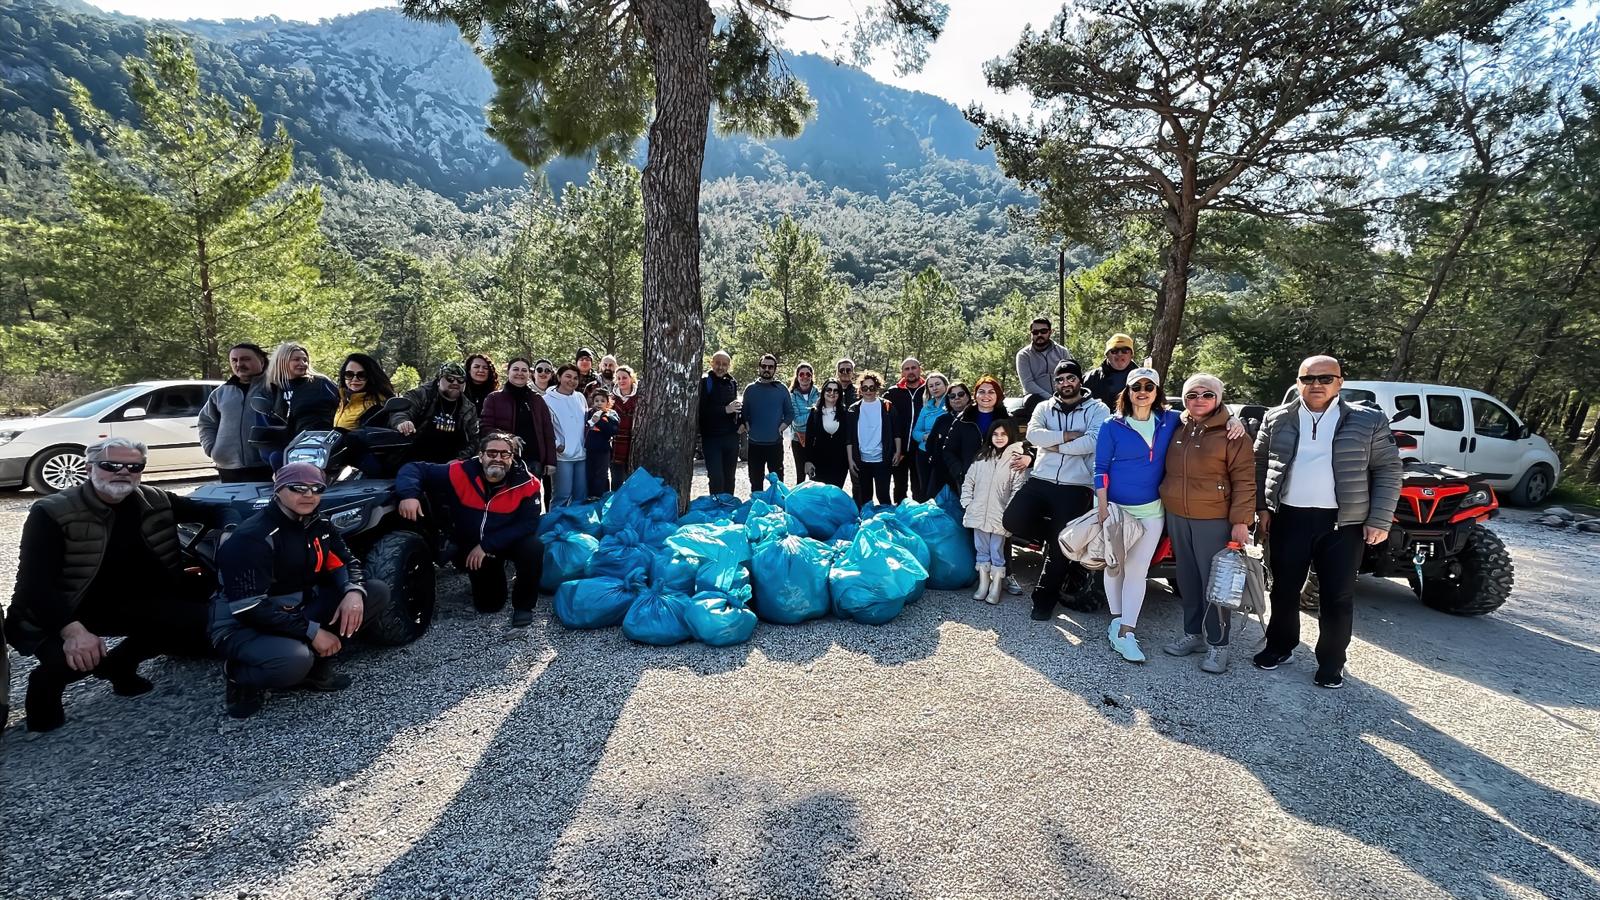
(719, 423)
(291, 594)
(492, 505)
(100, 560)
(608, 373)
(1036, 363)
(1108, 381)
(1061, 486)
(226, 418)
(443, 423)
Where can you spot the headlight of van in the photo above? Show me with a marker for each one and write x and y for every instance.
(7, 437)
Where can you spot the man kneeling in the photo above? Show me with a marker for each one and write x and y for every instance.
(291, 594)
(493, 507)
(100, 560)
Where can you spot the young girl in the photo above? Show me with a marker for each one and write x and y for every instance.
(599, 429)
(989, 485)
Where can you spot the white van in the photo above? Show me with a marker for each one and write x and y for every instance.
(1465, 429)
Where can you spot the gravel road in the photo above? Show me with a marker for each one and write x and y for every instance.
(959, 751)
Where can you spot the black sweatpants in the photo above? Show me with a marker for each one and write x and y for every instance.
(161, 620)
(906, 477)
(761, 459)
(869, 477)
(1301, 539)
(722, 460)
(489, 582)
(798, 451)
(277, 661)
(1038, 512)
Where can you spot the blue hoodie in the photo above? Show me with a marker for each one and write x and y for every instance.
(929, 413)
(1126, 466)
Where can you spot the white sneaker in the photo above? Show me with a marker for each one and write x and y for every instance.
(1128, 646)
(1013, 586)
(1191, 643)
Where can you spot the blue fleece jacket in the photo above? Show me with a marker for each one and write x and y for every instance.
(1129, 469)
(767, 409)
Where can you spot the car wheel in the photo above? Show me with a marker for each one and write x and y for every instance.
(58, 469)
(1534, 487)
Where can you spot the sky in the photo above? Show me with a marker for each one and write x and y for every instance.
(976, 32)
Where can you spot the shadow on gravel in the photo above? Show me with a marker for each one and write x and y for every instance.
(911, 636)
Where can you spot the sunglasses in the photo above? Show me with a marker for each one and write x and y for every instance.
(830, 390)
(497, 454)
(869, 389)
(803, 373)
(544, 371)
(305, 490)
(769, 365)
(959, 395)
(845, 370)
(354, 376)
(1203, 395)
(1064, 378)
(1143, 387)
(1041, 331)
(105, 465)
(1318, 379)
(451, 379)
(1118, 351)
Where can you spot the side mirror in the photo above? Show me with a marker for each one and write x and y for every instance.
(133, 412)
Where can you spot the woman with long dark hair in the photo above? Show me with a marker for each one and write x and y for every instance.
(482, 380)
(363, 389)
(803, 395)
(826, 460)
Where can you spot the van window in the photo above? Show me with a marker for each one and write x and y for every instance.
(1490, 419)
(1357, 395)
(1407, 406)
(1446, 412)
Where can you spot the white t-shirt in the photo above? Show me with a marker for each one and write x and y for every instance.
(1311, 474)
(567, 413)
(869, 431)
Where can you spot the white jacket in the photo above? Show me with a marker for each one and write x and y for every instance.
(989, 486)
(1086, 541)
(1066, 462)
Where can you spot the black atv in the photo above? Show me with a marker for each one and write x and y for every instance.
(400, 553)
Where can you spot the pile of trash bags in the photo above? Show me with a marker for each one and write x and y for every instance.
(785, 556)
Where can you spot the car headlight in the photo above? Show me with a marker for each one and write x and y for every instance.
(1479, 497)
(7, 437)
(317, 456)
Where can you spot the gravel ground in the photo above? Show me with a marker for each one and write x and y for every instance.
(959, 751)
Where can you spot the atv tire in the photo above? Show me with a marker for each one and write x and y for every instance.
(403, 561)
(1477, 580)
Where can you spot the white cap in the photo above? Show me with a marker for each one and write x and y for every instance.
(1143, 373)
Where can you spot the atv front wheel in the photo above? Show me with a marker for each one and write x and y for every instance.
(1475, 581)
(402, 560)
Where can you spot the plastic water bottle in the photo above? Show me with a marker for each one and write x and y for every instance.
(1226, 586)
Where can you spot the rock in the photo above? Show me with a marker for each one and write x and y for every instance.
(1560, 512)
(1590, 527)
(1551, 521)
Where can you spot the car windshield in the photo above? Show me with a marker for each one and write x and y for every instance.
(91, 404)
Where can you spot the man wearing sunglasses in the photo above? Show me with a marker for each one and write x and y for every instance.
(1328, 480)
(1036, 365)
(767, 411)
(492, 506)
(1107, 382)
(292, 593)
(443, 422)
(102, 560)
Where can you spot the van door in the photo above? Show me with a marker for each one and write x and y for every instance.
(167, 421)
(1494, 447)
(1445, 438)
(1409, 424)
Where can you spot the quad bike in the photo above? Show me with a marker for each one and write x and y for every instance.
(400, 553)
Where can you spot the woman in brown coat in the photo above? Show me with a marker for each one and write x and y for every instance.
(1209, 492)
(518, 409)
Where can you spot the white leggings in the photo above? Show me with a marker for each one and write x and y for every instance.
(1125, 591)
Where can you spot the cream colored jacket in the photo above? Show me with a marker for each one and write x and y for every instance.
(989, 486)
(1101, 546)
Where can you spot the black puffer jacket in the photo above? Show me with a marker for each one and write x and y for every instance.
(963, 440)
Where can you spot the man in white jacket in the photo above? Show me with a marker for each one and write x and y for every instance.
(1060, 487)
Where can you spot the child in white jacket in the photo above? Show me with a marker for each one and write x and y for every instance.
(989, 486)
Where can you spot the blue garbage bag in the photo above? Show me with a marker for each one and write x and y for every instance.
(583, 518)
(904, 536)
(774, 494)
(657, 618)
(566, 557)
(619, 554)
(821, 508)
(598, 602)
(713, 508)
(719, 618)
(950, 501)
(724, 545)
(949, 545)
(654, 534)
(790, 576)
(674, 571)
(846, 533)
(766, 521)
(876, 578)
(873, 510)
(642, 497)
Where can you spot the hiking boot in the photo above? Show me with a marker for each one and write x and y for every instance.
(322, 677)
(521, 618)
(1271, 659)
(1330, 680)
(243, 702)
(1191, 643)
(43, 704)
(1128, 646)
(1216, 661)
(1013, 586)
(982, 588)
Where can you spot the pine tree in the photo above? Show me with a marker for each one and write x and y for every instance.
(925, 322)
(790, 312)
(602, 226)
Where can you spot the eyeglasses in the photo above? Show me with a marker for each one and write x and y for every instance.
(106, 465)
(496, 454)
(1118, 351)
(451, 379)
(1202, 395)
(354, 376)
(1143, 387)
(845, 370)
(869, 389)
(1038, 331)
(305, 490)
(1318, 379)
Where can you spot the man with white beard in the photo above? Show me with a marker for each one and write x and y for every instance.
(102, 560)
(492, 505)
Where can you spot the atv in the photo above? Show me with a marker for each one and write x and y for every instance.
(400, 553)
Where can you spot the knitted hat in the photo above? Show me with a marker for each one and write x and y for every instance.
(1069, 365)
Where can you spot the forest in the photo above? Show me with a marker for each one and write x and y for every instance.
(1447, 232)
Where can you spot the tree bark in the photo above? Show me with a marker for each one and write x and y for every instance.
(1168, 320)
(1552, 325)
(210, 347)
(678, 33)
(1442, 267)
(1575, 419)
(1592, 445)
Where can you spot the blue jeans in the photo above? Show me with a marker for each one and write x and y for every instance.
(991, 548)
(570, 482)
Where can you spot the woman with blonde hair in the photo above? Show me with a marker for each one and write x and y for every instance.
(305, 399)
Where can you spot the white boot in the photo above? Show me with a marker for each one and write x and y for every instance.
(997, 581)
(983, 581)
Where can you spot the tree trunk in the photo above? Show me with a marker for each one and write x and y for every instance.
(1442, 267)
(1591, 446)
(678, 33)
(210, 347)
(1168, 321)
(1500, 361)
(1575, 420)
(1552, 325)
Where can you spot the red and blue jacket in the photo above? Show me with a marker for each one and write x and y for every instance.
(1129, 469)
(493, 516)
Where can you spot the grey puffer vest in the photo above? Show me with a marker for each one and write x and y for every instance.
(1366, 462)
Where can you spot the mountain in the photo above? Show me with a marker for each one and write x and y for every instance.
(404, 99)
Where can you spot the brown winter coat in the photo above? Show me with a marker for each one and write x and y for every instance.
(1209, 476)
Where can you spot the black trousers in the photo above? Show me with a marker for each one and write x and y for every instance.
(597, 475)
(1300, 540)
(722, 460)
(927, 474)
(165, 619)
(1038, 512)
(798, 451)
(278, 661)
(907, 479)
(871, 477)
(489, 581)
(252, 473)
(761, 459)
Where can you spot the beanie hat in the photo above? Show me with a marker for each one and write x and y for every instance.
(1069, 365)
(297, 473)
(1202, 380)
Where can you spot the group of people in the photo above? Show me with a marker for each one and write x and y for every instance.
(103, 559)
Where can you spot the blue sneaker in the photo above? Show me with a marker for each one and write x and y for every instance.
(1113, 628)
(1128, 646)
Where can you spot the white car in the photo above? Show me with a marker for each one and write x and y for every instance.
(1464, 429)
(46, 451)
